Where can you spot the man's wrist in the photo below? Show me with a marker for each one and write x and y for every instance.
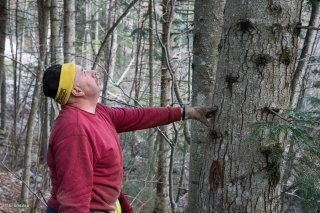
(183, 112)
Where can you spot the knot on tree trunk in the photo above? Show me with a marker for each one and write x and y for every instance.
(245, 26)
(262, 59)
(216, 175)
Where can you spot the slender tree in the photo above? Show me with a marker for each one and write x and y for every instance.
(85, 49)
(15, 89)
(151, 156)
(162, 203)
(56, 52)
(3, 23)
(300, 72)
(69, 29)
(43, 19)
(56, 55)
(298, 98)
(110, 48)
(3, 125)
(207, 34)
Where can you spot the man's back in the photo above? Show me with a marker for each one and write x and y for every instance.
(85, 161)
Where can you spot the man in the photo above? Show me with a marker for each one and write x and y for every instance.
(84, 154)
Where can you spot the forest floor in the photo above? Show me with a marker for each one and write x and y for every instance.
(10, 187)
(9, 192)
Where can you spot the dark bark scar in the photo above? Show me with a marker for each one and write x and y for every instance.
(216, 175)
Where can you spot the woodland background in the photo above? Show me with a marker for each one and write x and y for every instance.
(256, 60)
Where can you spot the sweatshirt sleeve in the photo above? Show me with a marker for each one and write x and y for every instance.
(129, 119)
(74, 167)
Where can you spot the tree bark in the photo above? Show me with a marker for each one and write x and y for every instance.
(162, 203)
(151, 156)
(208, 22)
(86, 55)
(254, 73)
(69, 37)
(56, 52)
(300, 72)
(3, 125)
(55, 37)
(43, 19)
(3, 23)
(110, 49)
(136, 87)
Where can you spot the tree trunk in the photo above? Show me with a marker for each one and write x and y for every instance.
(56, 53)
(3, 23)
(300, 72)
(43, 18)
(44, 130)
(96, 30)
(254, 74)
(161, 204)
(55, 36)
(150, 142)
(207, 33)
(138, 56)
(3, 125)
(113, 54)
(55, 57)
(110, 49)
(300, 83)
(15, 88)
(69, 37)
(86, 55)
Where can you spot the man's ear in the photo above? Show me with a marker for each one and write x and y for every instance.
(77, 91)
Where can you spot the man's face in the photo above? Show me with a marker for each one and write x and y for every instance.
(87, 81)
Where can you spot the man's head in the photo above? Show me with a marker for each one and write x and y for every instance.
(68, 82)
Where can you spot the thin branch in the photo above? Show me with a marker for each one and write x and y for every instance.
(21, 64)
(28, 187)
(308, 27)
(277, 114)
(297, 196)
(111, 30)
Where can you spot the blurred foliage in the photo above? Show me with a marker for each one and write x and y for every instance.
(307, 185)
(312, 2)
(300, 128)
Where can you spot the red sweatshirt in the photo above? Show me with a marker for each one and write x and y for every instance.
(84, 155)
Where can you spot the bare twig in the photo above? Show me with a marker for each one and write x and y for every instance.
(111, 30)
(308, 27)
(277, 114)
(28, 187)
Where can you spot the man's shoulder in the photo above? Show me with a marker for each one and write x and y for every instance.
(67, 125)
(70, 119)
(101, 106)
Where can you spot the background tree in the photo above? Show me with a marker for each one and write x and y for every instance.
(110, 48)
(300, 71)
(69, 31)
(43, 18)
(3, 23)
(208, 22)
(56, 55)
(301, 171)
(162, 202)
